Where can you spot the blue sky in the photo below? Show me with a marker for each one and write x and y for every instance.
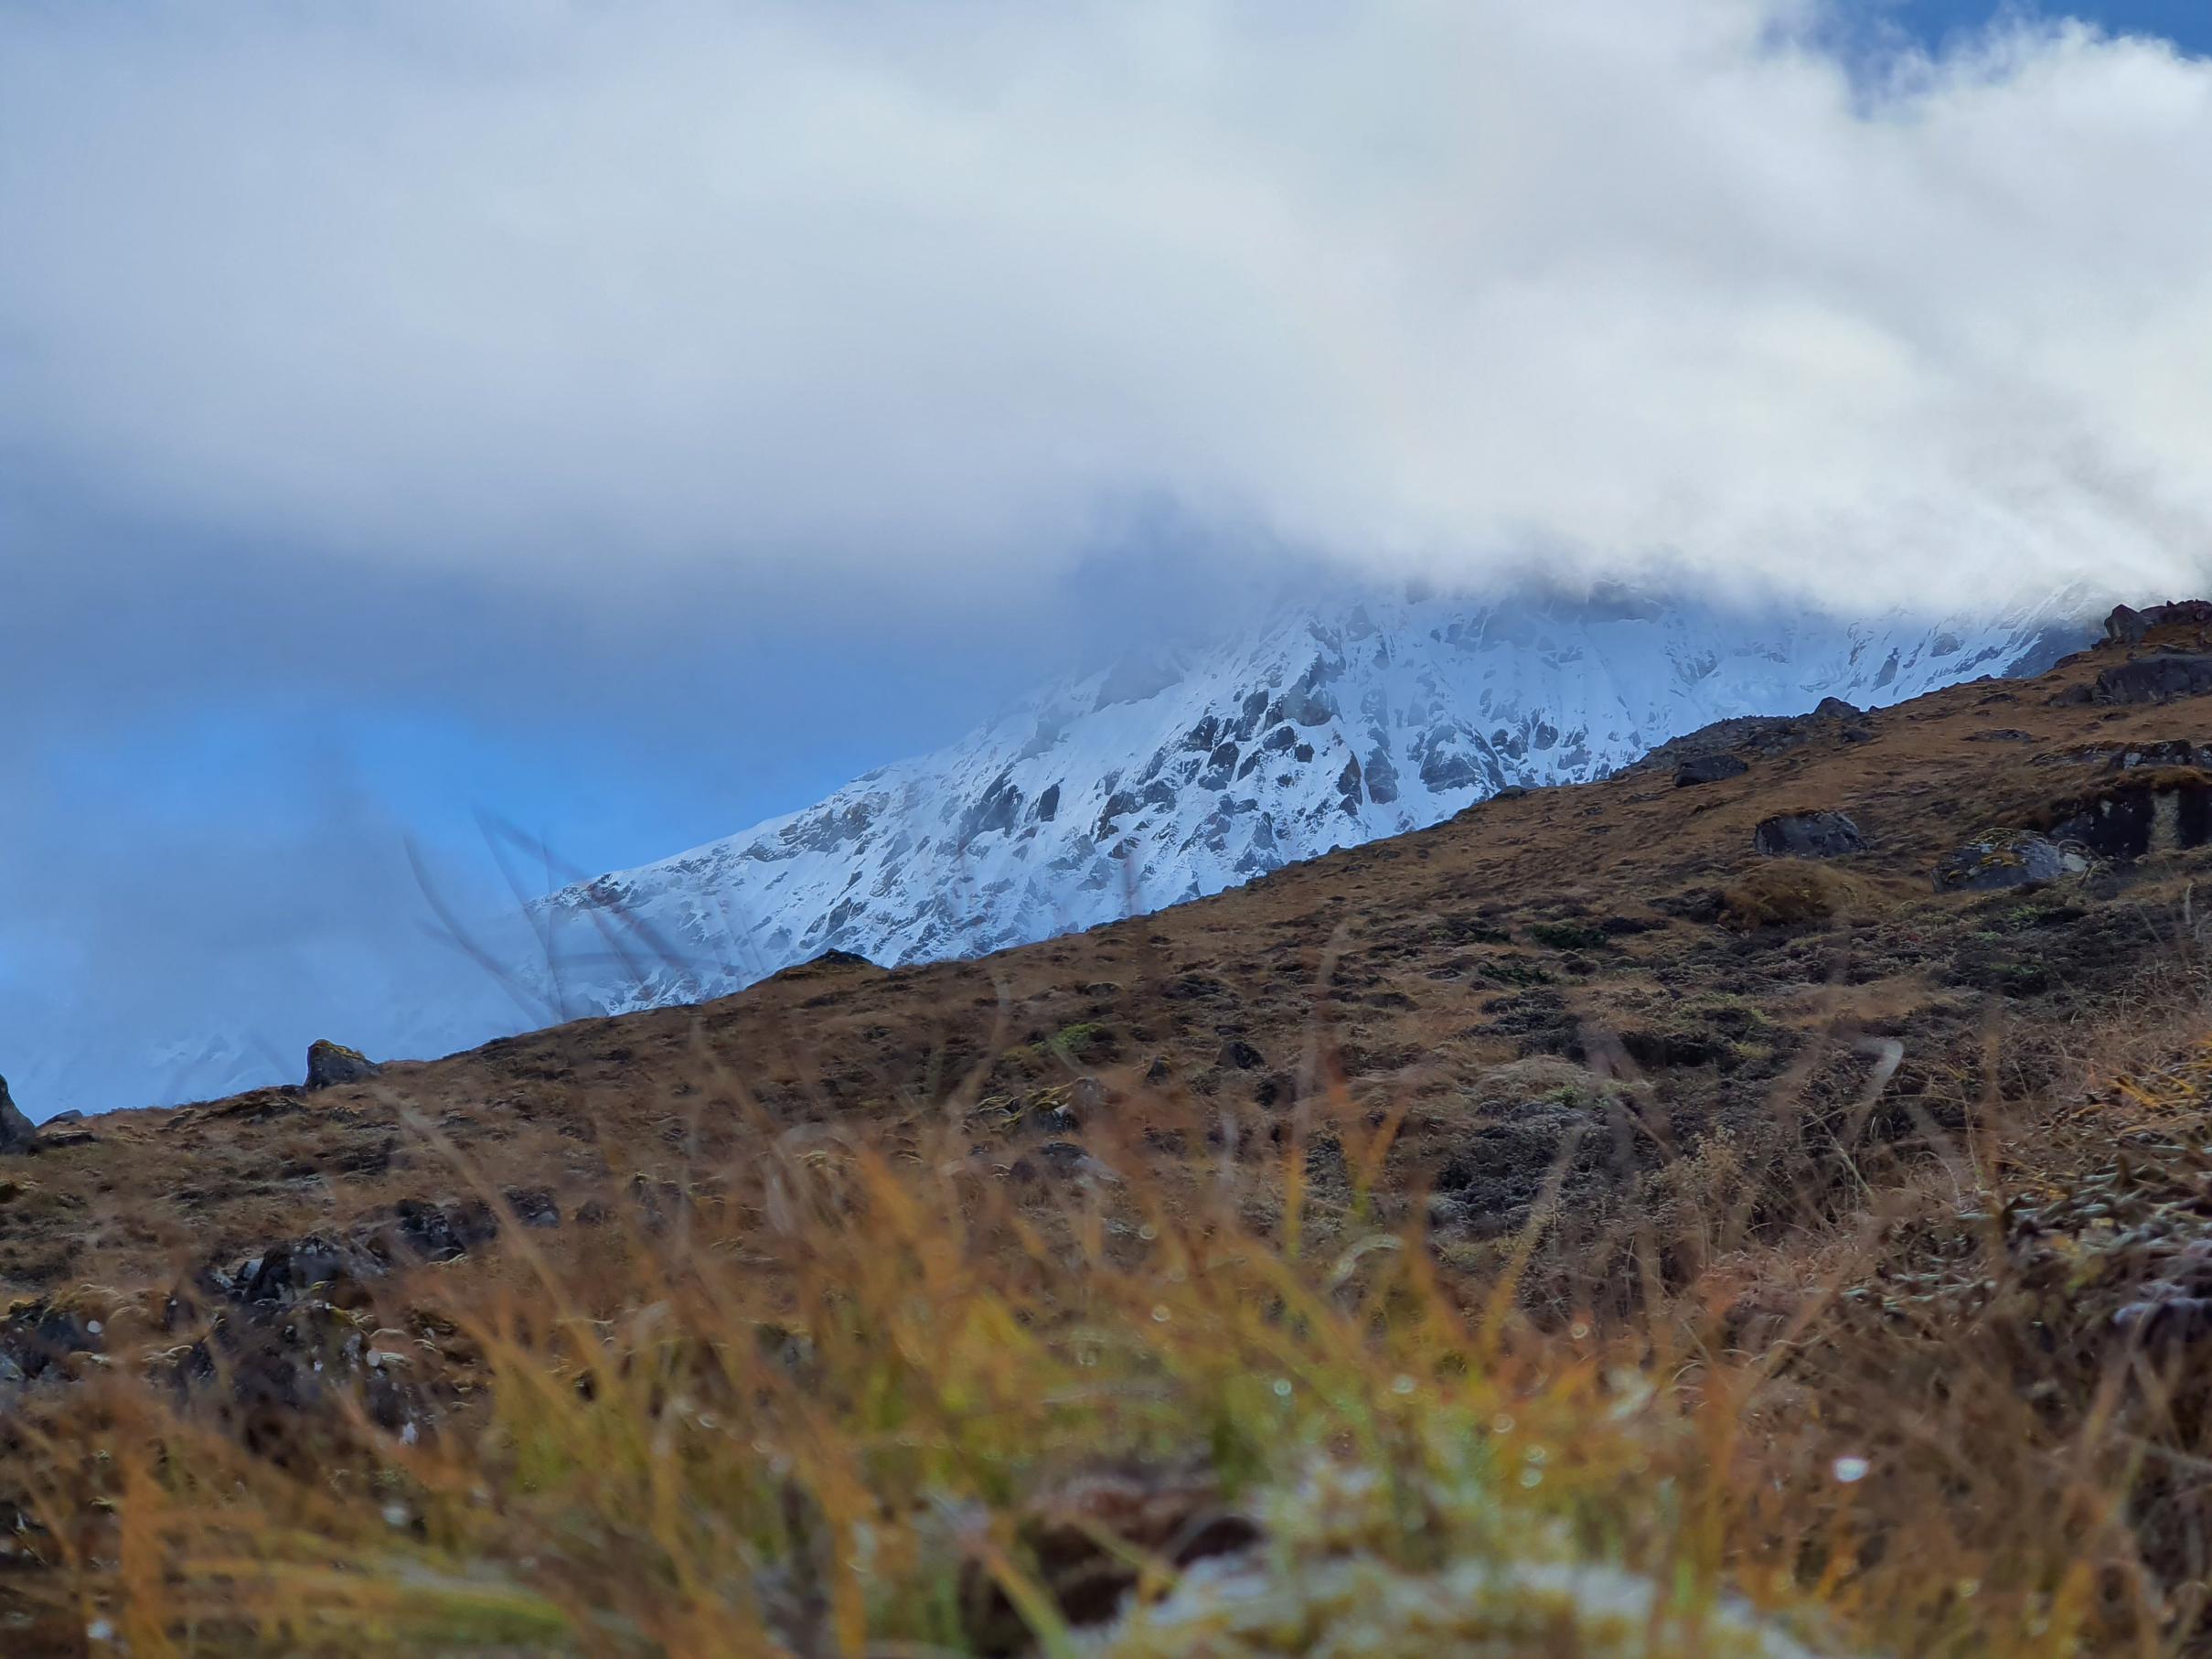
(2186, 23)
(633, 424)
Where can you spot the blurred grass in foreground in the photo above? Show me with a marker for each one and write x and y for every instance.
(875, 1392)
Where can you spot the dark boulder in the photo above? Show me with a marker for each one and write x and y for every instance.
(1808, 835)
(289, 1349)
(1835, 707)
(1708, 770)
(413, 1230)
(2160, 678)
(2128, 626)
(1241, 1055)
(2173, 752)
(2008, 858)
(2142, 811)
(17, 1133)
(1663, 1050)
(314, 1264)
(533, 1206)
(1698, 905)
(38, 1338)
(330, 1065)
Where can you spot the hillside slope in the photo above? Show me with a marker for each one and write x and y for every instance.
(1888, 1165)
(1521, 927)
(1162, 781)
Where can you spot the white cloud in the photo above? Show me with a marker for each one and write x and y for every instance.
(911, 295)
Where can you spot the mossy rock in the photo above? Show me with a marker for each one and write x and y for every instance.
(2008, 858)
(332, 1064)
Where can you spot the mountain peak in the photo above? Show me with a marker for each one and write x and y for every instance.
(1175, 773)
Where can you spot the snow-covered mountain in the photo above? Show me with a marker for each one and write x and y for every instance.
(1166, 778)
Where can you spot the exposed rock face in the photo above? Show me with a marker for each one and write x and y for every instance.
(2128, 626)
(2140, 812)
(416, 1230)
(2124, 626)
(840, 959)
(332, 1063)
(2176, 752)
(533, 1206)
(36, 1339)
(2007, 858)
(1761, 736)
(1708, 770)
(1241, 1055)
(1808, 835)
(2159, 679)
(302, 1266)
(16, 1131)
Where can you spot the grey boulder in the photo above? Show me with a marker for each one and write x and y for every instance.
(1808, 835)
(2160, 678)
(1708, 770)
(2008, 858)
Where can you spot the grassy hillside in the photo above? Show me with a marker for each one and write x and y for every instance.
(1563, 1232)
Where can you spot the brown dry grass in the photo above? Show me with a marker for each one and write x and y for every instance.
(859, 1364)
(1790, 892)
(857, 1393)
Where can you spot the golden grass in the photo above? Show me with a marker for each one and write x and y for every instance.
(1788, 892)
(893, 1392)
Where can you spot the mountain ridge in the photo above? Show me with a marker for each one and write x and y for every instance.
(1533, 689)
(1169, 776)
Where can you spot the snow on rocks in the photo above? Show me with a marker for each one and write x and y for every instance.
(1174, 776)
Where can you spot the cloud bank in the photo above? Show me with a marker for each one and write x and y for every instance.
(913, 300)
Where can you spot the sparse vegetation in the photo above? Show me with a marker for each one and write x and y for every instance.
(1514, 971)
(1788, 892)
(1569, 935)
(1283, 1275)
(863, 1391)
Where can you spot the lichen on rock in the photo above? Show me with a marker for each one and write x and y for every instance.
(330, 1065)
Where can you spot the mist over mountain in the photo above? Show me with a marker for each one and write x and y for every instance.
(639, 423)
(1285, 729)
(1173, 775)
